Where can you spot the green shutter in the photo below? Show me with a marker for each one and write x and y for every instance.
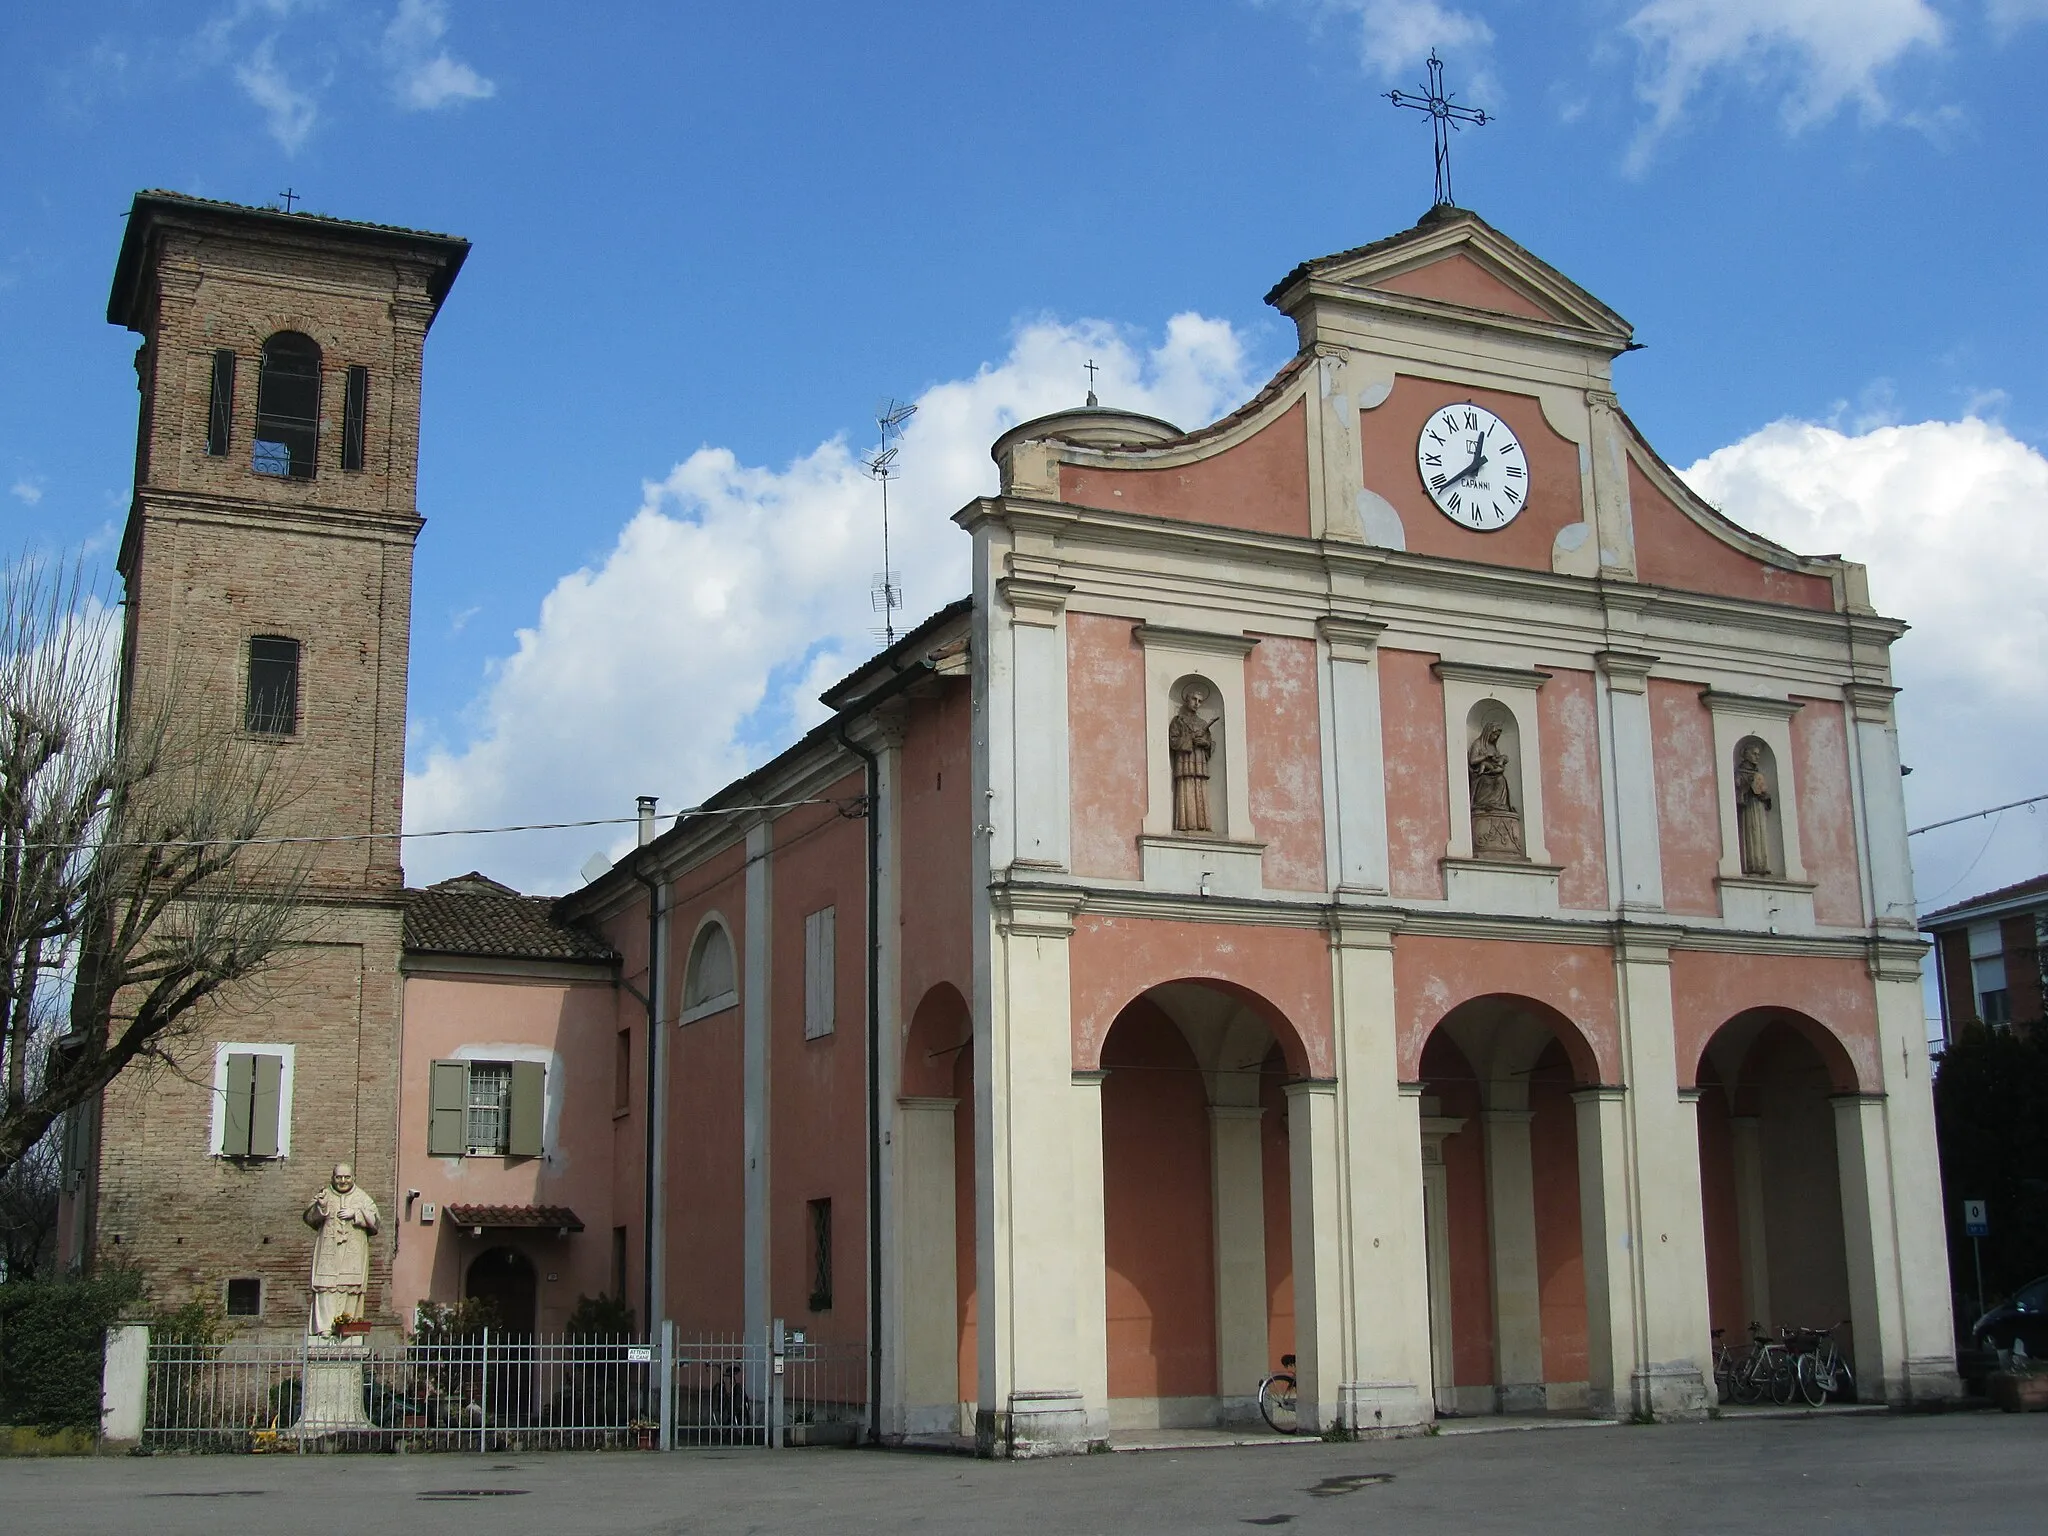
(266, 1101)
(529, 1078)
(234, 1140)
(449, 1093)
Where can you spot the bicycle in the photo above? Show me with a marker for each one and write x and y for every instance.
(1277, 1404)
(1823, 1373)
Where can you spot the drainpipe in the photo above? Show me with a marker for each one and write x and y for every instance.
(874, 790)
(657, 1095)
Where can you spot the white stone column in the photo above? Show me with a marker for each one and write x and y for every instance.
(1354, 763)
(1378, 1233)
(1746, 1142)
(757, 967)
(1637, 875)
(1517, 1287)
(1237, 1188)
(1883, 796)
(1038, 1196)
(882, 734)
(1870, 1246)
(926, 1311)
(1436, 1226)
(1312, 1157)
(1605, 1231)
(1039, 824)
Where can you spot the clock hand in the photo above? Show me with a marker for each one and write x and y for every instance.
(1478, 461)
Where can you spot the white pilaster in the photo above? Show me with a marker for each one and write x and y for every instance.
(1354, 761)
(926, 1299)
(1883, 800)
(1607, 1237)
(1869, 1242)
(1517, 1287)
(1637, 875)
(1312, 1157)
(1038, 720)
(1237, 1187)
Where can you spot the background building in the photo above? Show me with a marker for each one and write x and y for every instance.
(1987, 957)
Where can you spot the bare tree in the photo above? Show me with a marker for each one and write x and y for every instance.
(141, 879)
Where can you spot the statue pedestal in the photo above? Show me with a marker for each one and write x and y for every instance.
(334, 1387)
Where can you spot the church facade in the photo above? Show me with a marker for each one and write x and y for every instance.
(1389, 878)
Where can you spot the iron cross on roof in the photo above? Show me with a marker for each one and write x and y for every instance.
(1444, 116)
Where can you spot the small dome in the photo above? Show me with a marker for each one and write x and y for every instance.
(1090, 426)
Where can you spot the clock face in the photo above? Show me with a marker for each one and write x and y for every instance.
(1473, 467)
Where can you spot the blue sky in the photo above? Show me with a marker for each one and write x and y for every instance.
(708, 240)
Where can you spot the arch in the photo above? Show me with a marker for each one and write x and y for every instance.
(1503, 1034)
(505, 1277)
(711, 976)
(941, 1028)
(1732, 1043)
(1292, 1046)
(287, 440)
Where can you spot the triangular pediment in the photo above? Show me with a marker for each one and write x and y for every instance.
(1456, 264)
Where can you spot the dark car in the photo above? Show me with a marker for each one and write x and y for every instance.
(2021, 1317)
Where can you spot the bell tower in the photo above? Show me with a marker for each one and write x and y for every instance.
(268, 569)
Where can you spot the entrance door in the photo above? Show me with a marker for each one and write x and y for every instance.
(505, 1276)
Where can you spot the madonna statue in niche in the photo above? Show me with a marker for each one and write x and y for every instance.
(1753, 810)
(1496, 824)
(1190, 743)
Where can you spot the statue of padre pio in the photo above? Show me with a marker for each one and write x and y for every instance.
(343, 1219)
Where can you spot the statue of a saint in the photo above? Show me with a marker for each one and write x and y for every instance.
(1753, 811)
(1496, 824)
(343, 1219)
(1190, 744)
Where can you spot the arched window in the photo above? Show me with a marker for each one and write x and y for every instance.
(288, 407)
(708, 985)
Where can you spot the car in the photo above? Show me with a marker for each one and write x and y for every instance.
(2021, 1321)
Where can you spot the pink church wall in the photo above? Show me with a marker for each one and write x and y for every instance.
(1709, 989)
(1674, 551)
(1458, 279)
(1827, 816)
(1574, 825)
(1261, 484)
(935, 798)
(1106, 761)
(1434, 975)
(575, 1023)
(1688, 804)
(1284, 732)
(1285, 972)
(1389, 434)
(1418, 801)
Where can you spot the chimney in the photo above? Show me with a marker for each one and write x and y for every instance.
(647, 805)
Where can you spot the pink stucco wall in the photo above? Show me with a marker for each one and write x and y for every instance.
(1688, 807)
(1674, 551)
(1458, 279)
(1284, 731)
(1106, 761)
(1827, 815)
(1434, 975)
(1418, 803)
(1574, 827)
(1260, 484)
(1709, 989)
(576, 1023)
(935, 802)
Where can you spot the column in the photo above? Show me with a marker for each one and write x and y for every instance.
(1384, 1271)
(1436, 1226)
(1039, 824)
(926, 1313)
(1354, 766)
(1517, 1288)
(1318, 1303)
(1237, 1184)
(756, 969)
(1038, 1199)
(1611, 1348)
(1745, 1135)
(1870, 1245)
(1637, 876)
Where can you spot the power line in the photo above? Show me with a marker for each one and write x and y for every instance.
(1991, 810)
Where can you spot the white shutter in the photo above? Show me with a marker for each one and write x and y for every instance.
(818, 973)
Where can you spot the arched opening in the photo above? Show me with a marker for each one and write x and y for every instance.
(1503, 1229)
(709, 979)
(935, 1200)
(1770, 1173)
(504, 1277)
(288, 407)
(1197, 1215)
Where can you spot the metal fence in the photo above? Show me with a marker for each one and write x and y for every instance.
(498, 1393)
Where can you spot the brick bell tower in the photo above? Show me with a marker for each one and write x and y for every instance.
(268, 561)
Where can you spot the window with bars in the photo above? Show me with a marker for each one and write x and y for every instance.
(487, 1109)
(490, 1106)
(220, 408)
(272, 708)
(245, 1297)
(355, 413)
(821, 1255)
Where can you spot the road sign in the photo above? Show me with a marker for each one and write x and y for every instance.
(1976, 1219)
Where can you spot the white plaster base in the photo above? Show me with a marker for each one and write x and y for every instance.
(1766, 906)
(1181, 1412)
(1496, 885)
(1668, 1392)
(1180, 863)
(1370, 1407)
(1036, 1424)
(1521, 1397)
(334, 1388)
(1932, 1379)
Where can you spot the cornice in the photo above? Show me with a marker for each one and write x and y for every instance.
(1035, 600)
(239, 511)
(1166, 637)
(1741, 705)
(1490, 677)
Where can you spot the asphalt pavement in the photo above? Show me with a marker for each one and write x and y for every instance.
(1966, 1472)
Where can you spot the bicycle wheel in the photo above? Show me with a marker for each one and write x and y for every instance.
(1784, 1378)
(1810, 1385)
(1749, 1379)
(1277, 1404)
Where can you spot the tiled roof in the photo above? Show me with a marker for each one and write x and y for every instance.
(2038, 886)
(556, 1217)
(474, 915)
(302, 215)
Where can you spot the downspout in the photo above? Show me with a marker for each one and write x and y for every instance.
(657, 1099)
(874, 790)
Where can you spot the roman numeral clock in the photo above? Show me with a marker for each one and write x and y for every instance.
(1473, 467)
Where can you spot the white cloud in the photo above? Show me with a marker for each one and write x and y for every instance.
(28, 492)
(696, 648)
(2008, 16)
(1952, 520)
(1394, 34)
(1833, 52)
(423, 74)
(289, 111)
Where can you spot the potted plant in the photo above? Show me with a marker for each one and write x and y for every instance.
(2021, 1386)
(646, 1433)
(346, 1327)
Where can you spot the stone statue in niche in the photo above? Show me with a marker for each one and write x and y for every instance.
(343, 1219)
(1753, 811)
(1190, 744)
(1496, 823)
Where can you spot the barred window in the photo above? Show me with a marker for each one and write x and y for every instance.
(288, 407)
(821, 1255)
(272, 708)
(245, 1297)
(490, 1106)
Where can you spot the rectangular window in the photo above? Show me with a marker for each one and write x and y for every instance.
(273, 701)
(252, 1094)
(355, 411)
(818, 977)
(245, 1297)
(619, 1262)
(220, 408)
(490, 1107)
(622, 1072)
(1996, 1007)
(486, 1109)
(821, 1255)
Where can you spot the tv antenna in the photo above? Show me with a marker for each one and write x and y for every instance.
(887, 592)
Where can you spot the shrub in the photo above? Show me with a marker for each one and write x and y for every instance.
(600, 1317)
(53, 1344)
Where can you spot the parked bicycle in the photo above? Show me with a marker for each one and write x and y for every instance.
(1277, 1404)
(1822, 1371)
